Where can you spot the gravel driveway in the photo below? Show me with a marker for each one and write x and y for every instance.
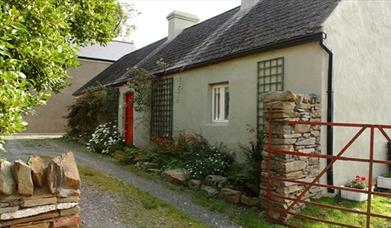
(97, 214)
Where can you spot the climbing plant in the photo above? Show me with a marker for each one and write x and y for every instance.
(141, 83)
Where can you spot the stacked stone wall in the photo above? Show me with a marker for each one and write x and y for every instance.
(39, 193)
(281, 107)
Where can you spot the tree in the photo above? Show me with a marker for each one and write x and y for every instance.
(39, 41)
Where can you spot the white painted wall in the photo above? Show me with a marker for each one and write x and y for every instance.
(305, 69)
(359, 34)
(141, 129)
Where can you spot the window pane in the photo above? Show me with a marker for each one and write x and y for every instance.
(226, 105)
(218, 103)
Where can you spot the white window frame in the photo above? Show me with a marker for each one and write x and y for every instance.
(219, 117)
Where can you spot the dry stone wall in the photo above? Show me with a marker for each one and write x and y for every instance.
(281, 107)
(39, 193)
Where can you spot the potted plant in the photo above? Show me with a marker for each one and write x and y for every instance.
(358, 183)
(384, 181)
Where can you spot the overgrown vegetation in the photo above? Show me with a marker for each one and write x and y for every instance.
(39, 42)
(87, 112)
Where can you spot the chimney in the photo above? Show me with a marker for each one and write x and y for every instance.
(178, 21)
(247, 4)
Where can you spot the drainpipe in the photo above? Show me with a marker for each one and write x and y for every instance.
(330, 111)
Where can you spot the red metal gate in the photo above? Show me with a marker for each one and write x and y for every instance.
(315, 183)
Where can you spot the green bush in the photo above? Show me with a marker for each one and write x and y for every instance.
(88, 111)
(192, 152)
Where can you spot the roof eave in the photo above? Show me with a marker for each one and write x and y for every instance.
(314, 37)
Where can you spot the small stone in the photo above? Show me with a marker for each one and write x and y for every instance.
(149, 165)
(7, 182)
(23, 178)
(176, 176)
(71, 173)
(230, 195)
(301, 128)
(38, 201)
(216, 181)
(194, 184)
(294, 166)
(67, 221)
(153, 170)
(249, 201)
(37, 166)
(305, 142)
(209, 191)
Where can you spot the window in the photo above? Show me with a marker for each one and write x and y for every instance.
(220, 103)
(162, 108)
(270, 79)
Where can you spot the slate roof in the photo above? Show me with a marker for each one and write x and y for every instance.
(229, 34)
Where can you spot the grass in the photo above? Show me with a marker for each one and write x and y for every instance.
(246, 217)
(139, 208)
(380, 205)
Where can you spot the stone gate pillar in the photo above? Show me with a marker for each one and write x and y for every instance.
(281, 107)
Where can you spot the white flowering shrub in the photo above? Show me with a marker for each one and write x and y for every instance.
(104, 139)
(211, 162)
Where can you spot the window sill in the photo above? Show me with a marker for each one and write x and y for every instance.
(218, 124)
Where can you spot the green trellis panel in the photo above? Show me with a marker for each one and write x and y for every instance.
(162, 108)
(270, 79)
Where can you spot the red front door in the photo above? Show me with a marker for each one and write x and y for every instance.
(129, 97)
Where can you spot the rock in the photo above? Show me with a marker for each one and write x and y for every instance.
(7, 182)
(8, 209)
(301, 128)
(280, 105)
(73, 220)
(54, 174)
(249, 201)
(66, 192)
(37, 166)
(153, 170)
(27, 202)
(306, 142)
(194, 184)
(27, 212)
(209, 191)
(72, 199)
(71, 173)
(149, 165)
(230, 195)
(216, 181)
(176, 176)
(70, 211)
(293, 166)
(23, 178)
(279, 96)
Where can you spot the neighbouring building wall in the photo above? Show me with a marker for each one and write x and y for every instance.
(305, 69)
(50, 118)
(359, 35)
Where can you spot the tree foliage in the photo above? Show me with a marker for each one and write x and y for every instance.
(39, 41)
